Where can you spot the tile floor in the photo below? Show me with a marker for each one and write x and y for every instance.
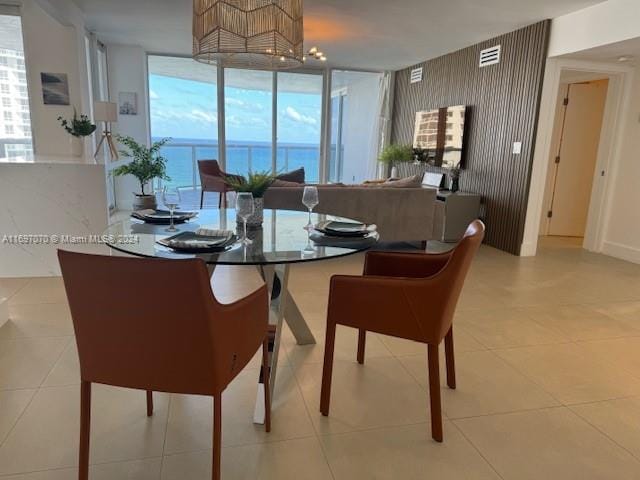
(548, 358)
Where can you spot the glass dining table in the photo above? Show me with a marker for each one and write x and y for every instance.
(282, 241)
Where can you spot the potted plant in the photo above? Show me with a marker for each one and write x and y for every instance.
(256, 183)
(147, 164)
(454, 178)
(395, 156)
(78, 128)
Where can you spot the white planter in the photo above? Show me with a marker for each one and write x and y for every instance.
(77, 146)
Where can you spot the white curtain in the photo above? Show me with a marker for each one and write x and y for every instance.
(382, 127)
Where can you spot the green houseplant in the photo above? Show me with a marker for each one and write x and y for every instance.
(79, 128)
(257, 184)
(395, 155)
(147, 163)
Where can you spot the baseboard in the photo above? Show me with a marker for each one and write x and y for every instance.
(623, 252)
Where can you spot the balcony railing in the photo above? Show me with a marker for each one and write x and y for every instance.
(241, 158)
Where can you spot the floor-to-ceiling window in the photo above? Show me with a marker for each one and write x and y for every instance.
(299, 123)
(15, 120)
(356, 103)
(272, 120)
(183, 107)
(248, 106)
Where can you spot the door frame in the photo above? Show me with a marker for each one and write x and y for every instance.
(609, 151)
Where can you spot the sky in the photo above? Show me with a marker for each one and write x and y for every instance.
(187, 109)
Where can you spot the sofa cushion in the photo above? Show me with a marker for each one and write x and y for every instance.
(296, 176)
(409, 182)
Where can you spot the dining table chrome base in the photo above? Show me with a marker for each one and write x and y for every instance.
(282, 308)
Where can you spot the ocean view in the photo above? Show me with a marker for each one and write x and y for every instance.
(242, 156)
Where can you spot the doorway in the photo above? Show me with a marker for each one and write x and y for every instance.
(574, 157)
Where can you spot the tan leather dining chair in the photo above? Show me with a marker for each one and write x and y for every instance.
(154, 324)
(406, 295)
(212, 180)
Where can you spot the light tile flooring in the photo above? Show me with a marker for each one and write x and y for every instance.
(548, 358)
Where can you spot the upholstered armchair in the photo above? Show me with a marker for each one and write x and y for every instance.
(212, 180)
(405, 295)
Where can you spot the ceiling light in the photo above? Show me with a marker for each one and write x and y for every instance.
(624, 58)
(266, 35)
(316, 54)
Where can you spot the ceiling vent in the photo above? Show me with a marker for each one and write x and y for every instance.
(490, 56)
(416, 75)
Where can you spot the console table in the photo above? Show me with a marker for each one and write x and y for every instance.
(453, 214)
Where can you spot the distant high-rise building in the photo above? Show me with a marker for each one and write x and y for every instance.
(15, 121)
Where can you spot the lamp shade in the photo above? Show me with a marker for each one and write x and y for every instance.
(105, 112)
(258, 34)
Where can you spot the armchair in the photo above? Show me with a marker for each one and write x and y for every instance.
(212, 180)
(405, 295)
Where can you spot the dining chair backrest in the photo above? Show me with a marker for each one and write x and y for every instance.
(155, 324)
(447, 285)
(209, 167)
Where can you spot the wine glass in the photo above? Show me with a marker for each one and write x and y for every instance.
(244, 209)
(310, 200)
(171, 199)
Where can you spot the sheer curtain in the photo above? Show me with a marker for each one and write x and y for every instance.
(382, 128)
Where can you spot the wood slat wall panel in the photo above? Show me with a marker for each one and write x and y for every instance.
(504, 102)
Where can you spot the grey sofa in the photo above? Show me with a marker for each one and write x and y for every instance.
(401, 214)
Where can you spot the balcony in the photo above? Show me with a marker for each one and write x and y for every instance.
(242, 158)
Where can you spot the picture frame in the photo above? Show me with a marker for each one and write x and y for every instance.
(55, 88)
(128, 103)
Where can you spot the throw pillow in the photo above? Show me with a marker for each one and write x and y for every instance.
(296, 176)
(283, 183)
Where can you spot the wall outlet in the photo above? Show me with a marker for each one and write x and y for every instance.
(517, 148)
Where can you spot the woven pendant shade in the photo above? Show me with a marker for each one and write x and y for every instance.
(258, 34)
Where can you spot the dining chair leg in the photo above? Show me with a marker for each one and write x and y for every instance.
(220, 200)
(85, 430)
(149, 403)
(327, 368)
(434, 393)
(201, 198)
(266, 382)
(217, 436)
(362, 341)
(450, 359)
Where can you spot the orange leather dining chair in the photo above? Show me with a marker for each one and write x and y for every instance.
(154, 324)
(212, 180)
(406, 295)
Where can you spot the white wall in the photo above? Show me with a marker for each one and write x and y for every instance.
(602, 24)
(127, 66)
(622, 236)
(49, 47)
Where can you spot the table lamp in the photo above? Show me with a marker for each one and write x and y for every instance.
(106, 112)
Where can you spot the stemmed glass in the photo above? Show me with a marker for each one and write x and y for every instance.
(244, 209)
(171, 199)
(310, 200)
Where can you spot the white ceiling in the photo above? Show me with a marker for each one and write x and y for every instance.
(612, 52)
(368, 34)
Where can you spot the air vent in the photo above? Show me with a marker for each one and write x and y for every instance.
(490, 56)
(416, 75)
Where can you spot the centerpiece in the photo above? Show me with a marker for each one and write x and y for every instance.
(147, 164)
(257, 184)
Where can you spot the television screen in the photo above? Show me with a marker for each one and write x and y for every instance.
(441, 133)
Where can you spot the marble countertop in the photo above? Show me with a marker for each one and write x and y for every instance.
(46, 159)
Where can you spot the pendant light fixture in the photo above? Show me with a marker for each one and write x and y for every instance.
(256, 34)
